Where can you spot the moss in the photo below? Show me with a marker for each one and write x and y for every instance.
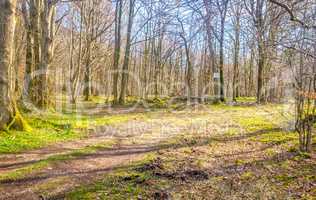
(305, 155)
(254, 123)
(285, 179)
(158, 102)
(246, 99)
(50, 128)
(17, 141)
(276, 137)
(247, 175)
(271, 152)
(240, 162)
(18, 122)
(187, 150)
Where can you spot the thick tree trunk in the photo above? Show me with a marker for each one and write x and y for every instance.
(9, 113)
(7, 26)
(42, 29)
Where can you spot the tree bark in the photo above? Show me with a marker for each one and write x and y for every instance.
(29, 53)
(6, 41)
(127, 52)
(117, 48)
(261, 52)
(9, 113)
(236, 54)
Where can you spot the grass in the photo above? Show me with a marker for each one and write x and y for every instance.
(17, 141)
(271, 179)
(255, 123)
(22, 172)
(246, 99)
(250, 167)
(50, 128)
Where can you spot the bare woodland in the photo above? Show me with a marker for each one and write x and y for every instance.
(196, 51)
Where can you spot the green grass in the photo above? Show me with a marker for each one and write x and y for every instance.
(246, 99)
(51, 128)
(128, 182)
(277, 137)
(47, 129)
(17, 141)
(255, 123)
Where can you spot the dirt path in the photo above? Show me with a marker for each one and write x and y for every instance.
(130, 142)
(50, 172)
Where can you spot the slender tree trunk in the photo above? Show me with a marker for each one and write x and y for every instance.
(189, 71)
(236, 56)
(117, 49)
(221, 61)
(87, 75)
(127, 52)
(46, 43)
(34, 23)
(29, 54)
(261, 46)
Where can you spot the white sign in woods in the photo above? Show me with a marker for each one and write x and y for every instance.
(216, 75)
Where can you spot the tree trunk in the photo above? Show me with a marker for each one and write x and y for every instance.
(261, 46)
(117, 48)
(236, 56)
(87, 74)
(9, 113)
(6, 41)
(34, 23)
(29, 54)
(127, 52)
(221, 61)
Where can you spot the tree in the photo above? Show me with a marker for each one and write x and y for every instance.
(189, 73)
(237, 15)
(256, 10)
(127, 52)
(9, 113)
(222, 7)
(117, 48)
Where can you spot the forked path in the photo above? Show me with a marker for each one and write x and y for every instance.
(49, 172)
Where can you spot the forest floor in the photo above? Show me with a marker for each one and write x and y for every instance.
(203, 152)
